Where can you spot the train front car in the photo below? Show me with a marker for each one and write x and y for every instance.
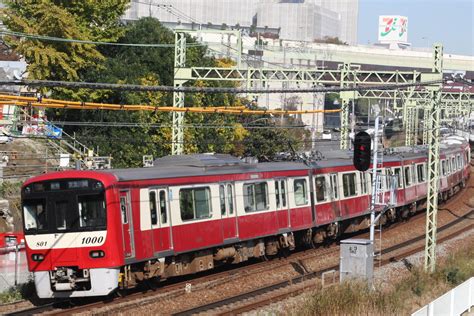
(71, 246)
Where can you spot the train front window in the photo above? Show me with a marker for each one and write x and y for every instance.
(35, 215)
(61, 210)
(91, 211)
(64, 206)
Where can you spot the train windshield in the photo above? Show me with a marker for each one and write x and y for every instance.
(56, 207)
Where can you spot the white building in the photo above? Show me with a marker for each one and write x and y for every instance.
(302, 20)
(349, 13)
(298, 21)
(197, 12)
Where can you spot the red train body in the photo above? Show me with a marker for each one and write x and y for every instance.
(89, 232)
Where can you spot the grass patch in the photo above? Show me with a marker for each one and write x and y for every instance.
(10, 296)
(21, 292)
(403, 297)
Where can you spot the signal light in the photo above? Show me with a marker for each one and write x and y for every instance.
(362, 151)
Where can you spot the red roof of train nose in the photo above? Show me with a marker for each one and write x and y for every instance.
(106, 178)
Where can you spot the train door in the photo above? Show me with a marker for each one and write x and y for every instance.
(228, 212)
(335, 198)
(161, 221)
(126, 214)
(282, 207)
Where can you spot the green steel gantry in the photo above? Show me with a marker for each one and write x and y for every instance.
(433, 159)
(177, 138)
(431, 100)
(347, 75)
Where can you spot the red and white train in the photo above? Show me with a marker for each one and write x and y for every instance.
(89, 233)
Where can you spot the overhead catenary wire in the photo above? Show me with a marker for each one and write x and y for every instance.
(77, 41)
(323, 143)
(228, 125)
(154, 88)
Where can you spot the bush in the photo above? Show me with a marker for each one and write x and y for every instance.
(10, 296)
(21, 292)
(403, 297)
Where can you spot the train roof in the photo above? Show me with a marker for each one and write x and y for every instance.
(197, 165)
(220, 164)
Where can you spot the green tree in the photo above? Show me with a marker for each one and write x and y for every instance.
(152, 132)
(76, 19)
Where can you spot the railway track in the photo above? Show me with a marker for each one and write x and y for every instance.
(245, 301)
(258, 298)
(35, 310)
(265, 295)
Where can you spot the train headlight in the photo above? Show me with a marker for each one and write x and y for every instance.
(37, 257)
(94, 254)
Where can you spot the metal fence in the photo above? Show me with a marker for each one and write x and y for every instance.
(455, 302)
(13, 267)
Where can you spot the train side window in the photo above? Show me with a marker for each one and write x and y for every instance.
(283, 192)
(123, 209)
(458, 158)
(255, 197)
(222, 198)
(334, 186)
(448, 167)
(163, 206)
(363, 183)
(388, 173)
(453, 164)
(277, 193)
(407, 176)
(421, 173)
(153, 211)
(299, 187)
(349, 184)
(230, 198)
(398, 172)
(195, 203)
(320, 183)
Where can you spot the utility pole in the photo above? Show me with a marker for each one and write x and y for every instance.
(433, 126)
(178, 97)
(345, 96)
(375, 174)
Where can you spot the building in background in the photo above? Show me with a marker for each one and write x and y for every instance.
(348, 11)
(300, 20)
(196, 13)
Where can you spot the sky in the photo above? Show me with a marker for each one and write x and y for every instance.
(450, 22)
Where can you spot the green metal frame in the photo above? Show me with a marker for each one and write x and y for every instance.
(433, 161)
(178, 97)
(346, 75)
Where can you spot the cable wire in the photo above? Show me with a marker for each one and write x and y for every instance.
(61, 104)
(133, 87)
(69, 40)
